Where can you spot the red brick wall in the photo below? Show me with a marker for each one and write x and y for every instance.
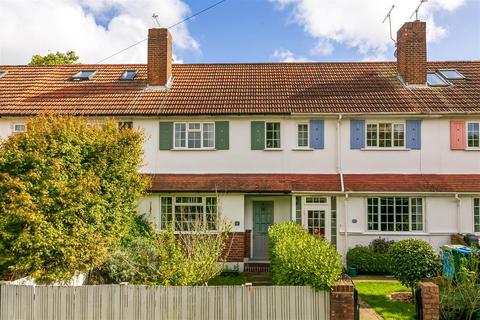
(159, 57)
(341, 301)
(235, 247)
(430, 301)
(412, 52)
(248, 242)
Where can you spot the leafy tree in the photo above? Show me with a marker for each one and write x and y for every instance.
(412, 260)
(68, 193)
(54, 58)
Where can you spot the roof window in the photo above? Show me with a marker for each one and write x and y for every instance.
(435, 80)
(84, 75)
(451, 74)
(129, 74)
(3, 74)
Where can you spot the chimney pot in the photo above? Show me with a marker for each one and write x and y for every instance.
(412, 53)
(159, 69)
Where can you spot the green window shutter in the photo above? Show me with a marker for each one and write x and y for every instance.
(222, 136)
(166, 135)
(258, 135)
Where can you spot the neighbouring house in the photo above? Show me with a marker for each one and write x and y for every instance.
(351, 151)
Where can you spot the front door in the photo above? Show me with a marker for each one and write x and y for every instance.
(262, 219)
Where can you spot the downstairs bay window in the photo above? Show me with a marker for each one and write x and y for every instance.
(395, 214)
(184, 211)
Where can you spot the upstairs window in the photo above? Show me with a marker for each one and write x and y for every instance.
(435, 80)
(19, 127)
(194, 135)
(385, 135)
(473, 134)
(302, 135)
(84, 75)
(476, 214)
(125, 124)
(451, 74)
(128, 75)
(395, 214)
(272, 135)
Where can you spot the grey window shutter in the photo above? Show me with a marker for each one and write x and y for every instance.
(357, 134)
(222, 135)
(316, 134)
(166, 135)
(258, 135)
(414, 134)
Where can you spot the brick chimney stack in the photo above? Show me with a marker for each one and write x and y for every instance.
(159, 57)
(412, 53)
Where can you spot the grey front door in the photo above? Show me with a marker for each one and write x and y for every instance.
(262, 219)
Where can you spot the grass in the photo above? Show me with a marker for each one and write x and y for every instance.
(375, 294)
(228, 280)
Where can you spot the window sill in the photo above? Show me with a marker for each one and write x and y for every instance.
(273, 149)
(395, 233)
(303, 149)
(472, 149)
(386, 149)
(199, 149)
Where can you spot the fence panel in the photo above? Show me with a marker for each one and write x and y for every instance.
(125, 302)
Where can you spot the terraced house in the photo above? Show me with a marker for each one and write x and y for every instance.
(351, 151)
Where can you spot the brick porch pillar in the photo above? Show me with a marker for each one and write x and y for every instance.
(430, 300)
(342, 301)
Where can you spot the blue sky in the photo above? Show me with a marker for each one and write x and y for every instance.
(235, 31)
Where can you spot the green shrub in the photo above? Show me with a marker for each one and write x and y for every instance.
(298, 258)
(380, 245)
(412, 260)
(368, 261)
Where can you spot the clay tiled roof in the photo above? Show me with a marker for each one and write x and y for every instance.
(236, 89)
(315, 182)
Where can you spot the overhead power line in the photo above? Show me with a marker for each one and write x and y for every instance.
(170, 27)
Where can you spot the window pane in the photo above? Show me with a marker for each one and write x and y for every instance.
(298, 210)
(452, 74)
(473, 134)
(401, 214)
(435, 80)
(211, 211)
(194, 126)
(398, 135)
(372, 135)
(20, 128)
(194, 139)
(372, 213)
(272, 135)
(387, 209)
(476, 214)
(384, 135)
(333, 223)
(316, 222)
(165, 212)
(302, 135)
(180, 133)
(416, 209)
(208, 135)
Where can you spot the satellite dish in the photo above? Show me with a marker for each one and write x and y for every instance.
(395, 53)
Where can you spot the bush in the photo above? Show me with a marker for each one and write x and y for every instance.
(368, 261)
(298, 258)
(68, 193)
(413, 260)
(380, 245)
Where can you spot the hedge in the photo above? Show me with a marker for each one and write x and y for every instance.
(368, 261)
(299, 258)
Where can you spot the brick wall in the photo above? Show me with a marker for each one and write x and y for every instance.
(248, 241)
(235, 247)
(341, 301)
(412, 52)
(430, 300)
(159, 67)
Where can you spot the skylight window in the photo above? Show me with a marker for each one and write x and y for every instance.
(84, 75)
(435, 80)
(451, 74)
(3, 74)
(129, 74)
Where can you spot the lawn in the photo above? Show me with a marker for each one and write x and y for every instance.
(375, 294)
(228, 280)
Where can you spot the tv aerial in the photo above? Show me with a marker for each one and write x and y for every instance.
(389, 17)
(155, 18)
(416, 10)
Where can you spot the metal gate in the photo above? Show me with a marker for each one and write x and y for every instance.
(418, 303)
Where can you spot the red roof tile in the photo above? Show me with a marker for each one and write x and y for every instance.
(315, 182)
(236, 89)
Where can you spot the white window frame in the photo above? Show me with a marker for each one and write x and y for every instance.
(476, 199)
(15, 124)
(392, 123)
(280, 135)
(410, 231)
(173, 204)
(466, 133)
(297, 135)
(187, 130)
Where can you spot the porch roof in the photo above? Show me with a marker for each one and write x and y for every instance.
(286, 183)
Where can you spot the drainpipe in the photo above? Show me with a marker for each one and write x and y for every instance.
(345, 211)
(459, 216)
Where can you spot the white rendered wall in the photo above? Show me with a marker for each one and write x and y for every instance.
(281, 208)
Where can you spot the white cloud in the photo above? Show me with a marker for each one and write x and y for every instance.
(31, 27)
(358, 24)
(284, 55)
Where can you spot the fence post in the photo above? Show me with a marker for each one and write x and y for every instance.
(430, 300)
(342, 306)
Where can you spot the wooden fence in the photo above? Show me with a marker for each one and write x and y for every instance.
(126, 302)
